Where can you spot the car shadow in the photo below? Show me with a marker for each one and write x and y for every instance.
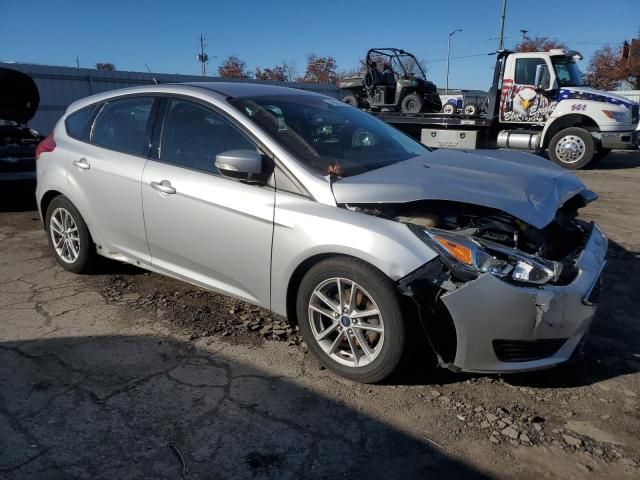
(616, 161)
(18, 196)
(154, 407)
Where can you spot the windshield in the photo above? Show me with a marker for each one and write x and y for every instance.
(327, 135)
(567, 72)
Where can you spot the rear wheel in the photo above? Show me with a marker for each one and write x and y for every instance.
(350, 317)
(412, 103)
(448, 109)
(471, 109)
(351, 100)
(69, 236)
(572, 148)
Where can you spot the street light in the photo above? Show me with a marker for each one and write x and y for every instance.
(449, 56)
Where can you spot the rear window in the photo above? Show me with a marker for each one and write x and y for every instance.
(77, 123)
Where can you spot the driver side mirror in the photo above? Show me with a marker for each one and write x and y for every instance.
(239, 164)
(543, 78)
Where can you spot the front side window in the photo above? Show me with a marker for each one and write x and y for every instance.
(526, 70)
(193, 135)
(567, 72)
(122, 125)
(327, 135)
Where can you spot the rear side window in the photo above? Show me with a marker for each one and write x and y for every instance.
(193, 135)
(77, 123)
(122, 125)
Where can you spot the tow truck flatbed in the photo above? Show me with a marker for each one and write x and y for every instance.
(434, 119)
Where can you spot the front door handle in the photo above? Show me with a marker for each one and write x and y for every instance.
(82, 163)
(164, 186)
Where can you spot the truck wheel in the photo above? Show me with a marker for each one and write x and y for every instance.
(351, 100)
(350, 317)
(471, 109)
(448, 109)
(412, 103)
(572, 148)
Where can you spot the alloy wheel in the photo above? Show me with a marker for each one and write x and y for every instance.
(64, 234)
(346, 322)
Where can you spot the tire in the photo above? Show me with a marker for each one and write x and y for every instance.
(412, 103)
(351, 100)
(448, 109)
(375, 292)
(80, 259)
(471, 109)
(572, 148)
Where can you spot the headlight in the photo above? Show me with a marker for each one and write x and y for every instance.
(472, 256)
(621, 117)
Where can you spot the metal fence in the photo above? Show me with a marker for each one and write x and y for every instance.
(60, 86)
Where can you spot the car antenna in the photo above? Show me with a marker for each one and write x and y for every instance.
(155, 80)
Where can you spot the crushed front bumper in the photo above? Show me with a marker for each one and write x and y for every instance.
(502, 327)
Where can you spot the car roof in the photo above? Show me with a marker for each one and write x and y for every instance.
(247, 89)
(219, 89)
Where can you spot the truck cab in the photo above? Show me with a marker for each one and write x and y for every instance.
(544, 93)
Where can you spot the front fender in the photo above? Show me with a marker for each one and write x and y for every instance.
(304, 229)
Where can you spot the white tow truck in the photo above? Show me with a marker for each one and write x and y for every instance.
(537, 102)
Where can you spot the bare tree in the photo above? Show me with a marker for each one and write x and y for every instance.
(278, 72)
(320, 70)
(233, 67)
(603, 71)
(106, 66)
(538, 44)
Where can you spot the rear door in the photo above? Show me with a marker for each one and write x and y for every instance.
(106, 169)
(205, 228)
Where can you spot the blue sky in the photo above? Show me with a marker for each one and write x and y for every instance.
(164, 34)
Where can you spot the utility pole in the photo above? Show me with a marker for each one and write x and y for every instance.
(504, 14)
(524, 35)
(77, 61)
(449, 57)
(203, 58)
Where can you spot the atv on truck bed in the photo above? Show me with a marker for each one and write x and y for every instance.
(393, 80)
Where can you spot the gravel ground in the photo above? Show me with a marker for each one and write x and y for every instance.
(130, 374)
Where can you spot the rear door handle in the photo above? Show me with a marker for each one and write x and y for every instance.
(82, 163)
(164, 186)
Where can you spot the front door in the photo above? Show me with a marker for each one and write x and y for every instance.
(202, 227)
(521, 102)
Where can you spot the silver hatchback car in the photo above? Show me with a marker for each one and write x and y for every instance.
(304, 205)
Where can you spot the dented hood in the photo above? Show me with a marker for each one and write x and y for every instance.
(521, 184)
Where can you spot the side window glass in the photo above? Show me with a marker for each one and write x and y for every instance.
(526, 70)
(193, 135)
(77, 123)
(122, 125)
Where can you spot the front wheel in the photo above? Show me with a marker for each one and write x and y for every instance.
(350, 317)
(572, 148)
(412, 103)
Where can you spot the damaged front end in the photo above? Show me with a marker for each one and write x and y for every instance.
(502, 295)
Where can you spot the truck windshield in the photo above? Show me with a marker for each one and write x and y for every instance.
(327, 135)
(567, 72)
